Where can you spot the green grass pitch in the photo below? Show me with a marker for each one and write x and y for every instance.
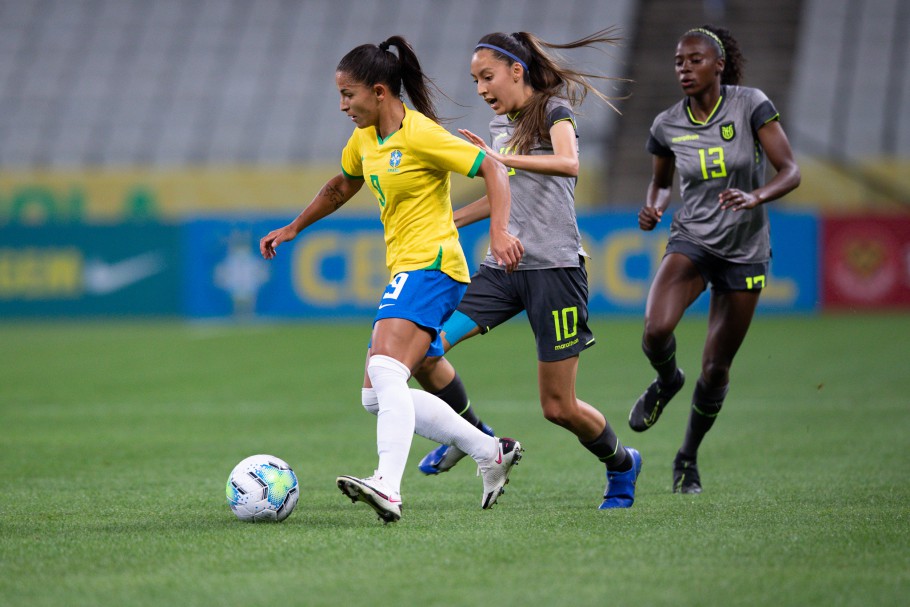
(117, 439)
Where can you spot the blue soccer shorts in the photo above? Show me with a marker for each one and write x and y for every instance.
(425, 297)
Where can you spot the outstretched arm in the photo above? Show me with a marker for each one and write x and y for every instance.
(337, 191)
(563, 162)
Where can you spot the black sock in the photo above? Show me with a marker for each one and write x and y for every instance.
(609, 450)
(456, 397)
(706, 404)
(663, 361)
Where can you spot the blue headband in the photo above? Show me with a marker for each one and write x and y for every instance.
(504, 52)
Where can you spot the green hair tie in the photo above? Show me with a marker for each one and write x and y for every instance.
(712, 36)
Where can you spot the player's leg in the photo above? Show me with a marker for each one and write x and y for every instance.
(436, 421)
(494, 456)
(561, 406)
(729, 318)
(394, 346)
(436, 375)
(433, 372)
(397, 345)
(488, 302)
(411, 309)
(677, 284)
(557, 304)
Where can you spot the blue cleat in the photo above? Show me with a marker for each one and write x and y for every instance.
(620, 492)
(444, 457)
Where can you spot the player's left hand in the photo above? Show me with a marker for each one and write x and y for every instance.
(478, 141)
(737, 200)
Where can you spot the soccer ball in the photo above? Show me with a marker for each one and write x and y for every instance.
(262, 488)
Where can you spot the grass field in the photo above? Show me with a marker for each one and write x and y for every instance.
(117, 440)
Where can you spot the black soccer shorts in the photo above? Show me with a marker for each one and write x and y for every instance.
(555, 299)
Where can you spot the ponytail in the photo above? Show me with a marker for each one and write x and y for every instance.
(372, 64)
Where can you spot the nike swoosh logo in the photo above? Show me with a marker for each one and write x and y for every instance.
(102, 278)
(381, 306)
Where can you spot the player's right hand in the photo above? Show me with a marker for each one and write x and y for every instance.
(648, 218)
(270, 241)
(506, 249)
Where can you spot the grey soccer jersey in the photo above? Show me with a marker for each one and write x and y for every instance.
(723, 152)
(543, 206)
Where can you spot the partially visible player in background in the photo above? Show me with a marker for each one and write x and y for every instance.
(407, 158)
(534, 97)
(718, 138)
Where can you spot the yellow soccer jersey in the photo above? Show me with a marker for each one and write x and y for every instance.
(408, 172)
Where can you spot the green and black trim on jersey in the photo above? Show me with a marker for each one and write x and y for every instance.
(722, 152)
(761, 116)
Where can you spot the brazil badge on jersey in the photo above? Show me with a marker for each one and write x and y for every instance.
(408, 173)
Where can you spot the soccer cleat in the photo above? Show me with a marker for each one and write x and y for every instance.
(620, 491)
(444, 457)
(685, 476)
(374, 493)
(650, 405)
(495, 471)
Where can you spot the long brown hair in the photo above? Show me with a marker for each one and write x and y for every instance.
(371, 64)
(549, 76)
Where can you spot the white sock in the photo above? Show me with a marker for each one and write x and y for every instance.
(369, 400)
(438, 422)
(395, 420)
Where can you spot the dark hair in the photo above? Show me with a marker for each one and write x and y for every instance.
(733, 57)
(371, 64)
(548, 76)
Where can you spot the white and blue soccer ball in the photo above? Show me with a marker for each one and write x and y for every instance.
(262, 488)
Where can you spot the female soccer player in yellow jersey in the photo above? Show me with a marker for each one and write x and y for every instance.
(534, 97)
(405, 158)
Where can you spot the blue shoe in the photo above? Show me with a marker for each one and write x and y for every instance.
(444, 457)
(620, 492)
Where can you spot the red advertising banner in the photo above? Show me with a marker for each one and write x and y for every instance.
(866, 262)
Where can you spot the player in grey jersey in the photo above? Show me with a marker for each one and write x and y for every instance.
(533, 133)
(718, 139)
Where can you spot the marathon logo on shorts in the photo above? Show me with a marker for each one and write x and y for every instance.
(727, 131)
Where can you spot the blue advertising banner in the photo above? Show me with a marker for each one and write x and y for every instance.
(337, 267)
(334, 269)
(79, 270)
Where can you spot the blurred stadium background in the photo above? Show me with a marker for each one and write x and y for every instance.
(146, 145)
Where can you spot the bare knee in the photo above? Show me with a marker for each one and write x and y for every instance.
(559, 411)
(426, 368)
(657, 333)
